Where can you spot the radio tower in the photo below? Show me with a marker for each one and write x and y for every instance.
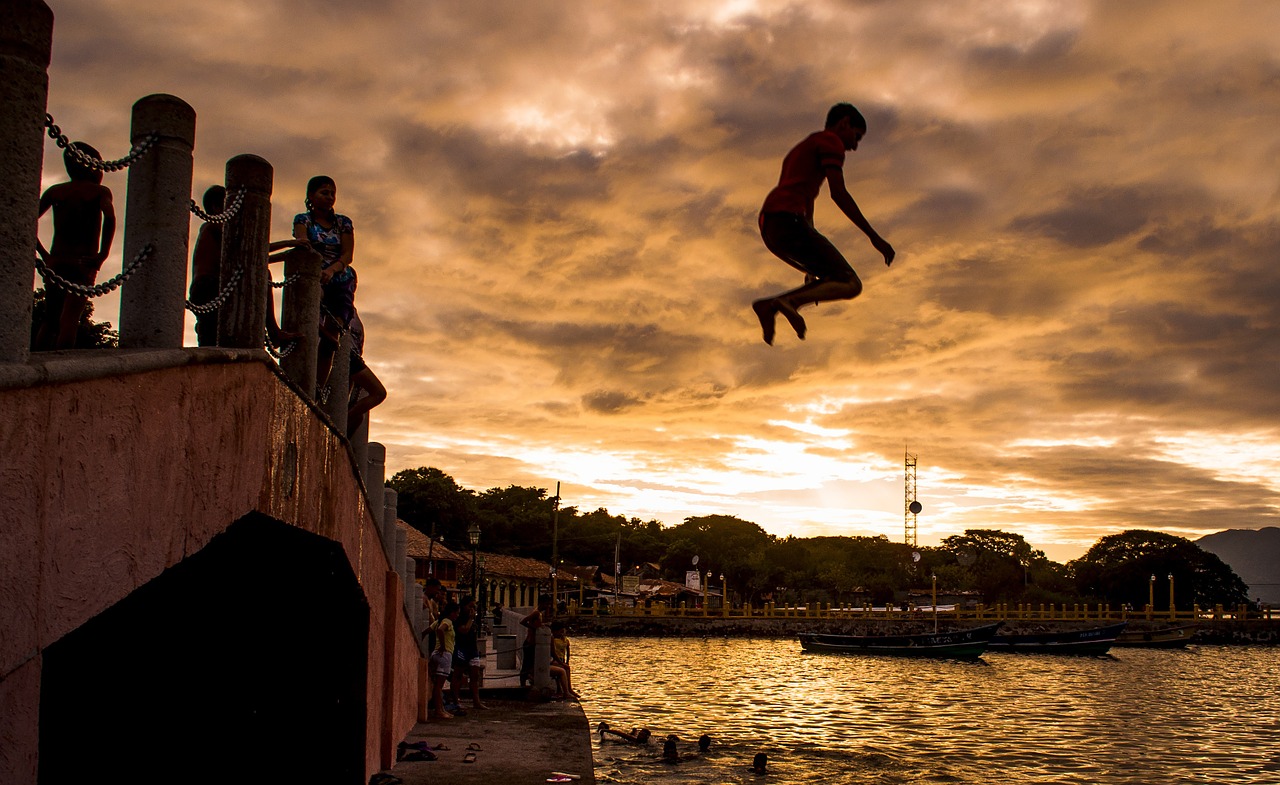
(910, 506)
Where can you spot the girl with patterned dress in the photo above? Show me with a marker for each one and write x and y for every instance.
(333, 237)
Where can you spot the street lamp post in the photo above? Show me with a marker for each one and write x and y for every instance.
(473, 535)
(724, 600)
(1171, 606)
(1151, 597)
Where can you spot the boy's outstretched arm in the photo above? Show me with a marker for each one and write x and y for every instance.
(841, 196)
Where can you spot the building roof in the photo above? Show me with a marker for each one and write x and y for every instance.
(502, 565)
(418, 545)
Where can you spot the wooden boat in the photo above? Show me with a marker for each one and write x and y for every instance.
(1093, 641)
(958, 644)
(1164, 638)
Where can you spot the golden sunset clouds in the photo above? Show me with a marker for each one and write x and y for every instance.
(555, 210)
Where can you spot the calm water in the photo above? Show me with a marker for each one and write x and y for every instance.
(1210, 714)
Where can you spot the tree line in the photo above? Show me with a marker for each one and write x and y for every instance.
(996, 566)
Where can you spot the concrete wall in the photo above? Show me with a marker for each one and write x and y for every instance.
(107, 482)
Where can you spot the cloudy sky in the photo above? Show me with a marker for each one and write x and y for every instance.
(555, 210)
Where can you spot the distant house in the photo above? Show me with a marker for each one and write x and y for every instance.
(513, 581)
(434, 559)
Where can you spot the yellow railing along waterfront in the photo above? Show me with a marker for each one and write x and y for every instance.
(999, 611)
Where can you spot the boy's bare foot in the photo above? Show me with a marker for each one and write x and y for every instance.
(478, 705)
(441, 715)
(793, 316)
(767, 312)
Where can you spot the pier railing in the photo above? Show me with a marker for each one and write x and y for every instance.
(999, 611)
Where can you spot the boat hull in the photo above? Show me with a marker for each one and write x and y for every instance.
(960, 644)
(1091, 642)
(1167, 638)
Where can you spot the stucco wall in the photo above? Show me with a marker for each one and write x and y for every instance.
(106, 482)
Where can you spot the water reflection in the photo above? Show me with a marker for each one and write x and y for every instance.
(1207, 715)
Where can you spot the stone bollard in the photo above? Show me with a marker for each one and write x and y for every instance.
(359, 440)
(415, 608)
(400, 554)
(340, 385)
(158, 213)
(390, 511)
(374, 471)
(542, 661)
(407, 572)
(26, 40)
(300, 313)
(242, 319)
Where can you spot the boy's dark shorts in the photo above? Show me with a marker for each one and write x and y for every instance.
(790, 238)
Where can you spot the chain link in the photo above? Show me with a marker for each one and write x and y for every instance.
(286, 282)
(227, 213)
(217, 302)
(97, 164)
(83, 290)
(284, 350)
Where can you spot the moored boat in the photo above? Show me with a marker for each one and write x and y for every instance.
(1093, 641)
(1163, 638)
(958, 644)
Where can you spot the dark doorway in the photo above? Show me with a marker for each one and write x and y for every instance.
(244, 663)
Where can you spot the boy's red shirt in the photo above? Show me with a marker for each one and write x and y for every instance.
(804, 170)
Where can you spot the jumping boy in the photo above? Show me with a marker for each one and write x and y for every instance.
(786, 221)
(84, 224)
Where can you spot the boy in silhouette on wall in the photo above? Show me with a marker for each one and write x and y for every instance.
(84, 224)
(786, 221)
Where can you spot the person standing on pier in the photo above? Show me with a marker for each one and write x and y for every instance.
(531, 623)
(440, 665)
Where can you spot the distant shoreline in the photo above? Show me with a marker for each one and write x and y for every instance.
(1250, 632)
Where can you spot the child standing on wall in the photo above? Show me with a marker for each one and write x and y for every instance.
(84, 224)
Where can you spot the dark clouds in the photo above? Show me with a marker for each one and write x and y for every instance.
(555, 202)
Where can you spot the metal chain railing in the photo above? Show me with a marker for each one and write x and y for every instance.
(97, 164)
(291, 280)
(84, 290)
(283, 352)
(227, 213)
(217, 302)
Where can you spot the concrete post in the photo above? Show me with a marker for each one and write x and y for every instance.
(542, 660)
(158, 213)
(409, 584)
(415, 608)
(390, 511)
(359, 440)
(402, 547)
(301, 314)
(374, 469)
(242, 319)
(26, 39)
(340, 384)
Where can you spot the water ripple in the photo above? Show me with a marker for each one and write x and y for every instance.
(1205, 715)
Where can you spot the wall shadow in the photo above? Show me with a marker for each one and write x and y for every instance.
(246, 662)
